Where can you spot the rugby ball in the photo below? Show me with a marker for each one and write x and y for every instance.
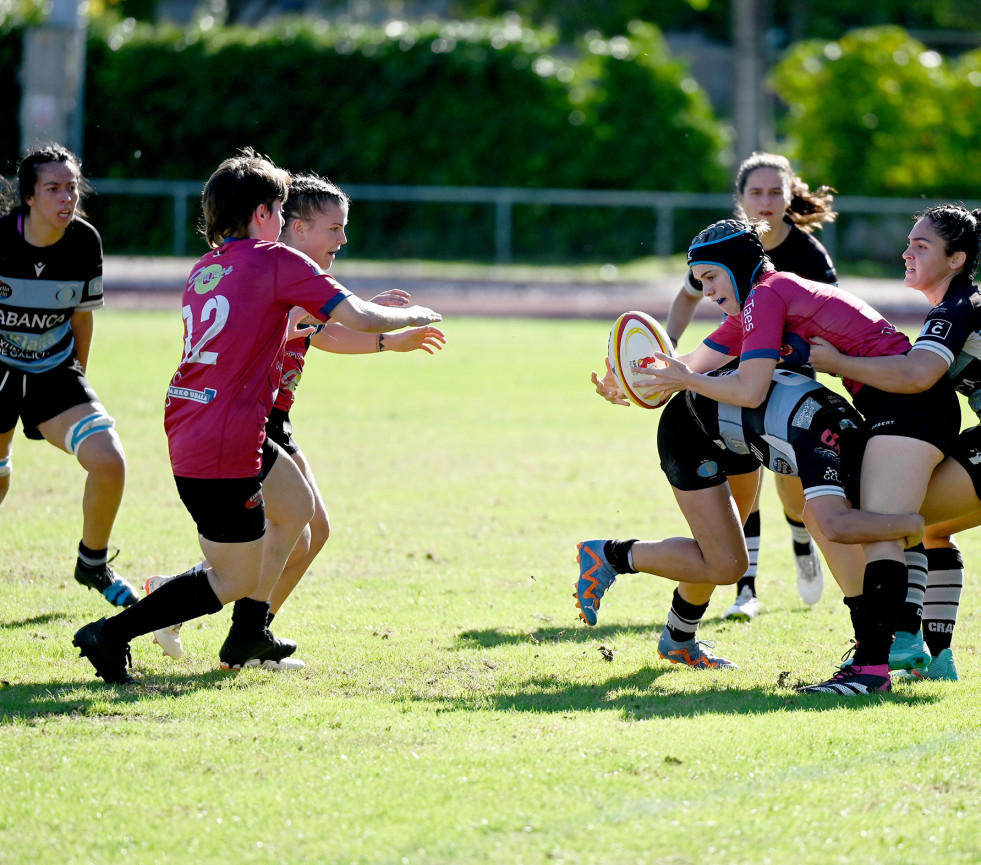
(634, 339)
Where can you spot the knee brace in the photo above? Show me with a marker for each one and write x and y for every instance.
(6, 466)
(81, 430)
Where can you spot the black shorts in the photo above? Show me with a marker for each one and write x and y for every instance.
(228, 510)
(36, 397)
(689, 458)
(279, 428)
(823, 447)
(967, 452)
(933, 416)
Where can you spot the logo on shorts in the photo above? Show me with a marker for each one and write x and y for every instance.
(707, 469)
(5, 290)
(805, 414)
(254, 501)
(827, 454)
(975, 457)
(831, 475)
(831, 440)
(781, 467)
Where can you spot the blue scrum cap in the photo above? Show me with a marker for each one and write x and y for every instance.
(735, 247)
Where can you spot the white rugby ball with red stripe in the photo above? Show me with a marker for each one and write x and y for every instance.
(634, 339)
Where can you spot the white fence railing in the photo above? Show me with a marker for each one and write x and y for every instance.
(663, 205)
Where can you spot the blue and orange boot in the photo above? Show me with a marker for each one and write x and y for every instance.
(596, 575)
(692, 653)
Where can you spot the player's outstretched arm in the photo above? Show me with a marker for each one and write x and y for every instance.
(913, 372)
(426, 338)
(369, 317)
(392, 297)
(747, 386)
(338, 339)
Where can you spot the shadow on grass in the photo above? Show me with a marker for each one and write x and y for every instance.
(639, 696)
(35, 621)
(30, 702)
(489, 638)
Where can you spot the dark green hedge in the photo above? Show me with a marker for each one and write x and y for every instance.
(479, 104)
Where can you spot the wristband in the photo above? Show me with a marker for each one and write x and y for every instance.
(381, 342)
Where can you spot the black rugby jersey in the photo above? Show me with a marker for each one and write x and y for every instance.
(803, 254)
(40, 289)
(953, 330)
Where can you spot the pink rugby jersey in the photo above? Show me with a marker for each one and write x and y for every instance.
(236, 306)
(784, 303)
(294, 356)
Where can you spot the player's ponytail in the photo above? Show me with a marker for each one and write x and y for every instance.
(807, 208)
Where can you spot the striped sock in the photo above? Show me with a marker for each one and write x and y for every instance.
(912, 614)
(683, 619)
(92, 559)
(751, 530)
(942, 599)
(800, 537)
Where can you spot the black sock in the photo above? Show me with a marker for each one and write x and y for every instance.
(854, 605)
(746, 582)
(883, 595)
(916, 581)
(618, 555)
(199, 568)
(684, 618)
(175, 601)
(249, 616)
(92, 558)
(269, 617)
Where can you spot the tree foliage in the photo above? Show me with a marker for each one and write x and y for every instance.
(876, 113)
(789, 20)
(456, 104)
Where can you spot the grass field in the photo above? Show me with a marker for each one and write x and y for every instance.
(453, 709)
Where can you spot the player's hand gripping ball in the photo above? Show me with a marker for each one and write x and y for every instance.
(634, 339)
